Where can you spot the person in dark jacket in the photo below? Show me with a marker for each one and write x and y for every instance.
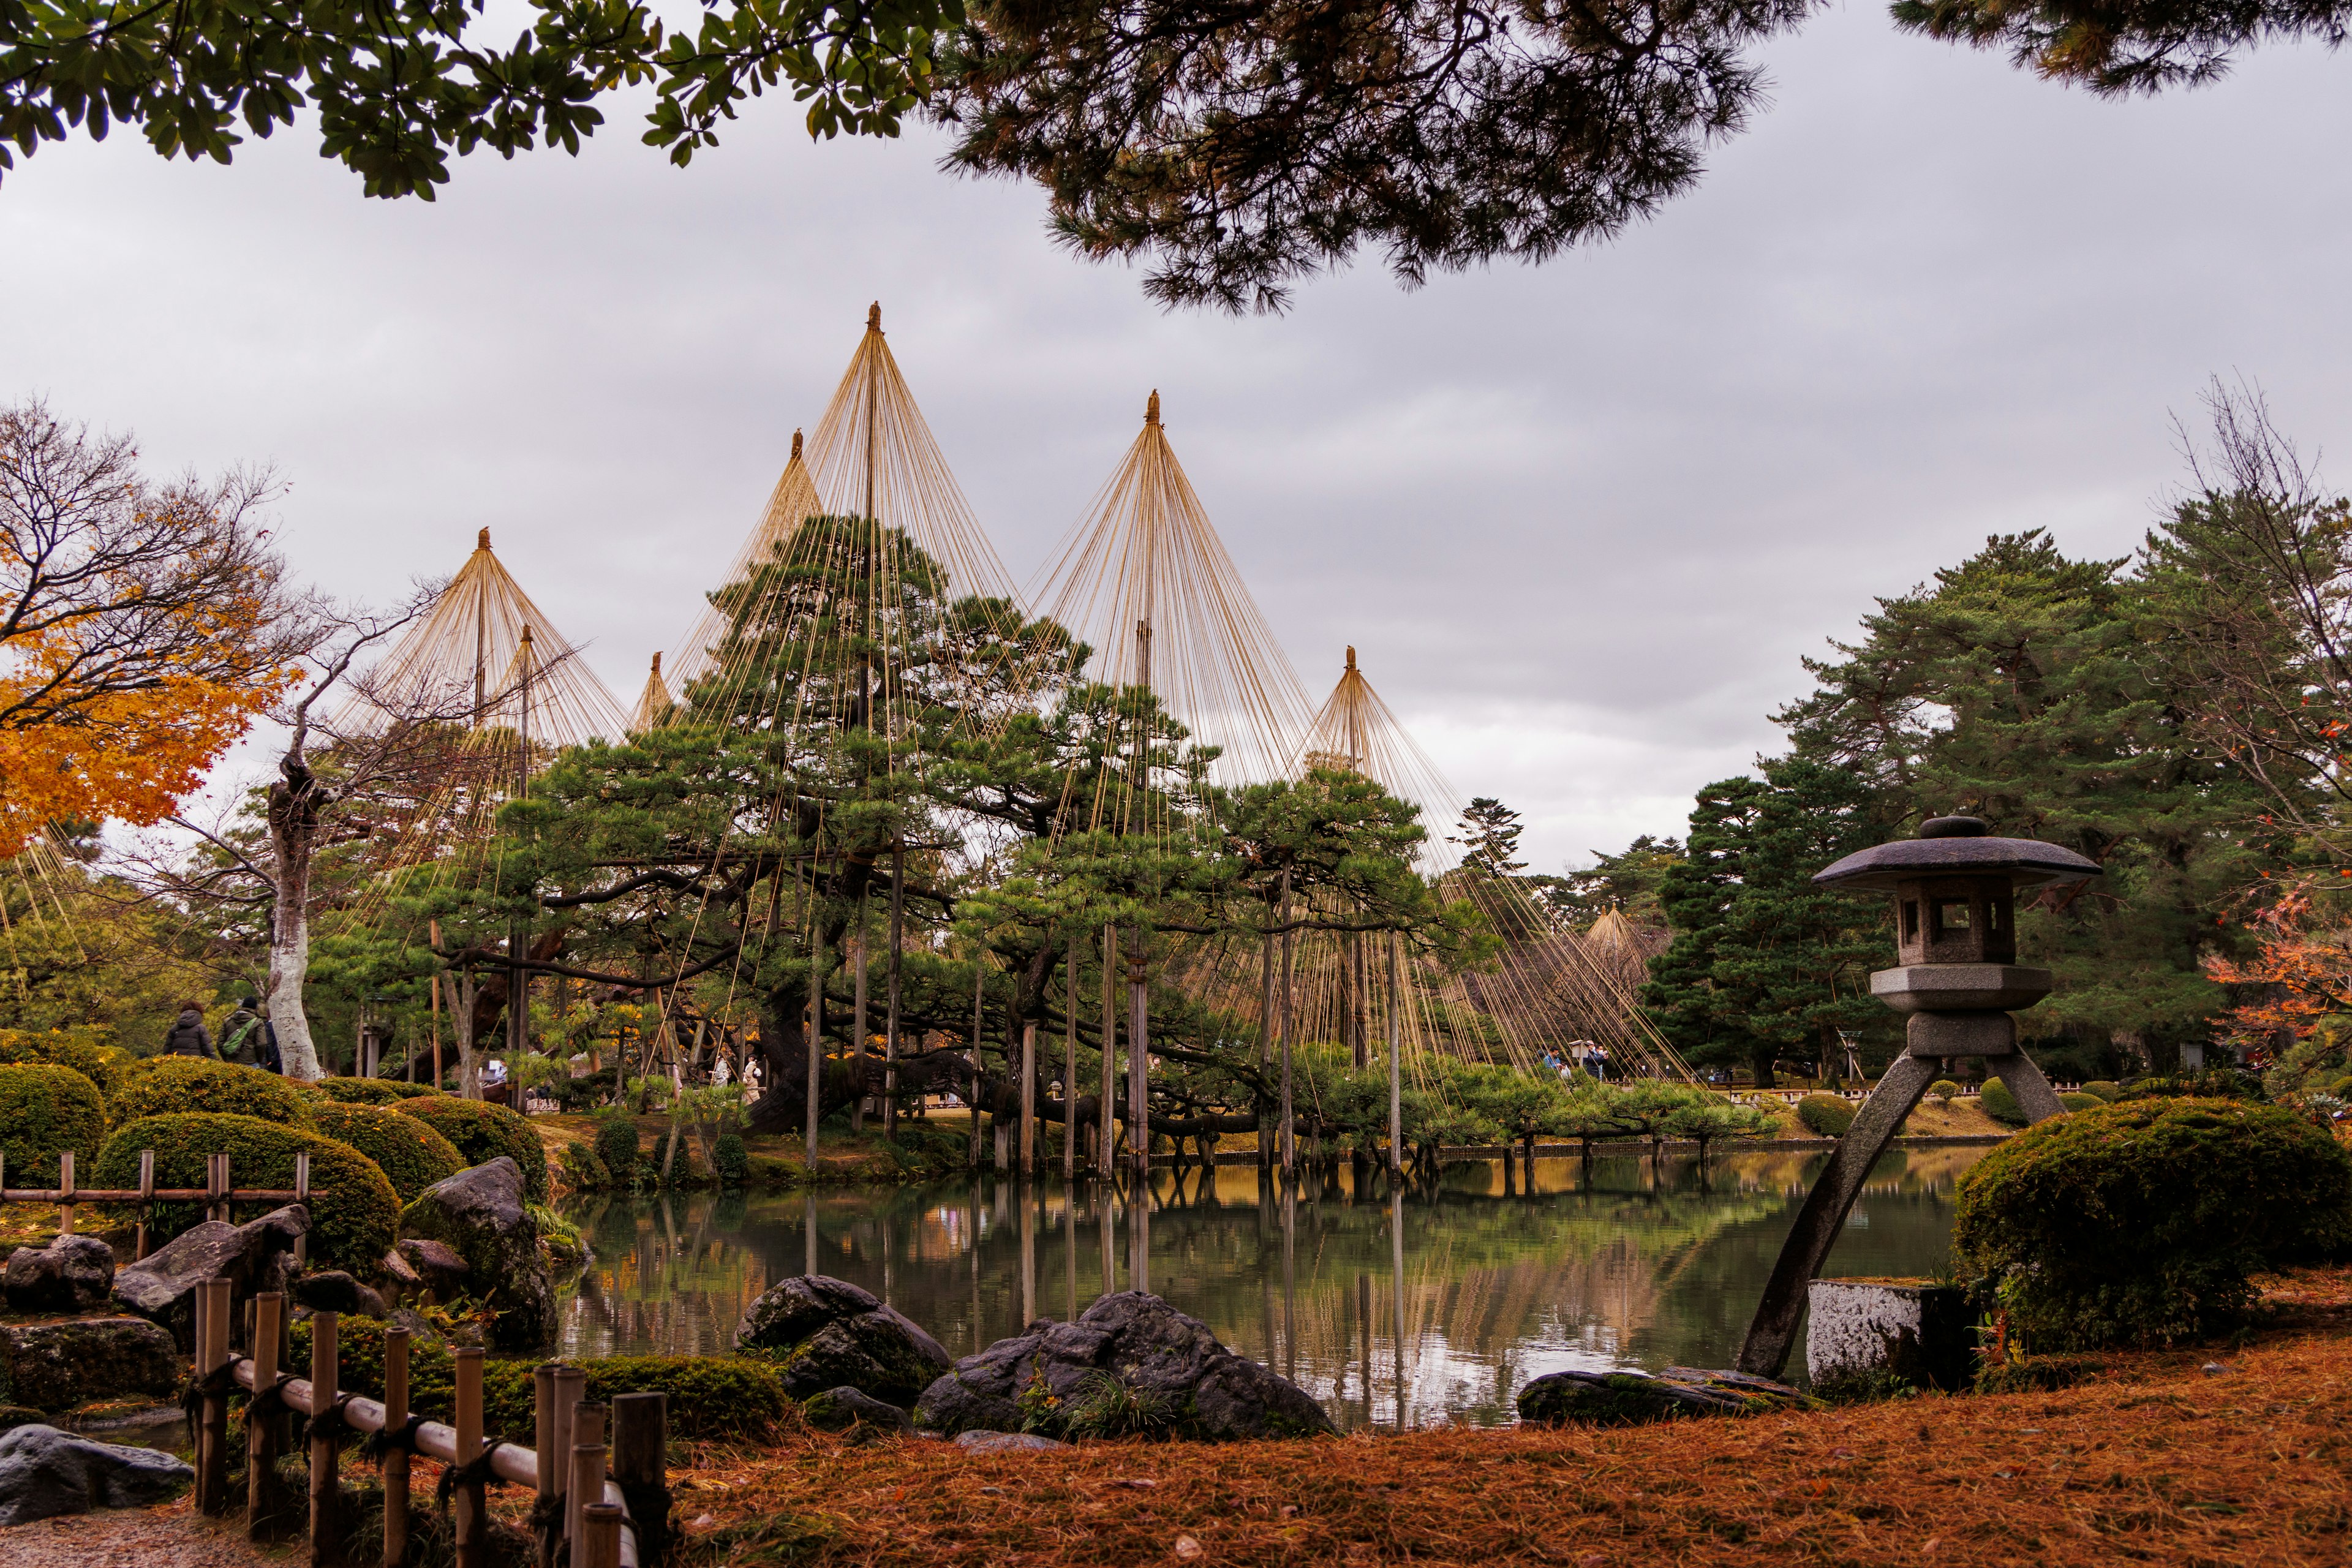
(188, 1037)
(248, 1040)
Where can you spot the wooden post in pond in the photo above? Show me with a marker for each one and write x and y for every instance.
(326, 1371)
(640, 1460)
(604, 1537)
(212, 1434)
(262, 1435)
(396, 1458)
(467, 1510)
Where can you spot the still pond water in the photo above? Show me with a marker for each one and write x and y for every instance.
(1432, 1309)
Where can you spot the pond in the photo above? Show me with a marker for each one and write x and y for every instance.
(1433, 1308)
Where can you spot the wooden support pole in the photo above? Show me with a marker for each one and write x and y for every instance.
(1028, 1100)
(326, 1371)
(212, 1435)
(467, 1512)
(571, 1393)
(587, 1481)
(1070, 1067)
(146, 1196)
(604, 1536)
(1396, 1057)
(301, 1195)
(543, 1410)
(587, 1432)
(396, 1459)
(217, 1187)
(265, 1436)
(1106, 1141)
(65, 1192)
(640, 1461)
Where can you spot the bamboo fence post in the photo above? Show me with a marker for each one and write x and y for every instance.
(396, 1459)
(325, 1372)
(587, 1481)
(604, 1536)
(146, 1199)
(261, 1435)
(217, 1187)
(65, 1192)
(571, 1393)
(467, 1507)
(301, 1195)
(542, 1409)
(212, 1354)
(587, 1433)
(640, 1462)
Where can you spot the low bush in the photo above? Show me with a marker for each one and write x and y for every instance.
(2211, 1083)
(44, 1111)
(2140, 1222)
(1943, 1091)
(412, 1155)
(176, 1086)
(482, 1132)
(1826, 1114)
(371, 1090)
(581, 1170)
(2106, 1090)
(85, 1049)
(734, 1160)
(560, 1241)
(2075, 1100)
(354, 1211)
(617, 1145)
(1995, 1101)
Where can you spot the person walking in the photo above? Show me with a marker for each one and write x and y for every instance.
(248, 1040)
(189, 1037)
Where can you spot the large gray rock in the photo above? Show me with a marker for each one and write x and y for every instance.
(1628, 1397)
(254, 1257)
(1131, 1365)
(439, 1269)
(332, 1291)
(45, 1472)
(480, 1215)
(834, 1335)
(55, 1367)
(841, 1409)
(72, 1274)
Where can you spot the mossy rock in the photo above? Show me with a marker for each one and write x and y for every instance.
(44, 1111)
(177, 1086)
(412, 1155)
(2141, 1222)
(482, 1132)
(1828, 1115)
(353, 1210)
(371, 1090)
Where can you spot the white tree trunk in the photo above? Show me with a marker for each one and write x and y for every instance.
(294, 802)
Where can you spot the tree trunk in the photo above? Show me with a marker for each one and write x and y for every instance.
(296, 798)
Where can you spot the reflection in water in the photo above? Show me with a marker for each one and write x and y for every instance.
(1391, 1310)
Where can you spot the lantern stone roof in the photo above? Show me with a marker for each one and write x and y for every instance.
(1957, 847)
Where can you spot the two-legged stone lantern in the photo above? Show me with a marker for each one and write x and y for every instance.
(1955, 920)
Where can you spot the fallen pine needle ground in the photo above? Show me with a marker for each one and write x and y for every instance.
(2155, 1460)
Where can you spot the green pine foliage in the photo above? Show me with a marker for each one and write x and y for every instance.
(412, 1155)
(734, 1160)
(2140, 1222)
(44, 1111)
(481, 1132)
(177, 1085)
(354, 1211)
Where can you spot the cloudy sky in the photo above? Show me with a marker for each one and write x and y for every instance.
(1582, 520)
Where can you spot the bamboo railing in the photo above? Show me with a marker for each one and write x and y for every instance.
(581, 1507)
(217, 1195)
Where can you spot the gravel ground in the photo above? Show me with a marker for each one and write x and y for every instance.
(169, 1536)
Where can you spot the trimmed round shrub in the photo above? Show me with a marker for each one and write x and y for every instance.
(482, 1132)
(1945, 1090)
(45, 1110)
(370, 1090)
(734, 1160)
(2139, 1223)
(1999, 1104)
(354, 1211)
(1826, 1114)
(411, 1155)
(617, 1145)
(2206, 1083)
(175, 1086)
(82, 1049)
(2104, 1089)
(2076, 1100)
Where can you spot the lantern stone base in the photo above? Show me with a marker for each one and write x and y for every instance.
(1921, 1332)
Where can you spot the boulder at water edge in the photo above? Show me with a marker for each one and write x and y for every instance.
(1629, 1398)
(332, 1291)
(254, 1256)
(835, 1335)
(55, 1367)
(72, 1274)
(480, 1216)
(439, 1270)
(44, 1471)
(1131, 1365)
(840, 1409)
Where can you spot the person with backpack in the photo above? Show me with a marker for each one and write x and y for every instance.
(189, 1036)
(248, 1040)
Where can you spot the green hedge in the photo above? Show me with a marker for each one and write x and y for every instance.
(1999, 1104)
(709, 1396)
(82, 1049)
(412, 1155)
(354, 1211)
(45, 1110)
(1828, 1115)
(483, 1132)
(173, 1086)
(616, 1146)
(2140, 1222)
(2075, 1100)
(371, 1090)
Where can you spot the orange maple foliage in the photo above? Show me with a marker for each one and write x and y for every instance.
(2303, 969)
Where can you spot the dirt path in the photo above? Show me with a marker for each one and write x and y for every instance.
(169, 1536)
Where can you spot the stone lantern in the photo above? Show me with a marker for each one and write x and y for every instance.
(1958, 978)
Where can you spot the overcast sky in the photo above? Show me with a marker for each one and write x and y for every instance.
(1581, 520)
